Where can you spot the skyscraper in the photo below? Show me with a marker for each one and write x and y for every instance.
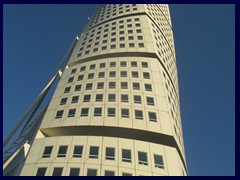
(115, 110)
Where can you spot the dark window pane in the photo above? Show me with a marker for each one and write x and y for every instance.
(62, 151)
(57, 172)
(47, 151)
(92, 172)
(93, 152)
(74, 172)
(126, 155)
(78, 151)
(41, 171)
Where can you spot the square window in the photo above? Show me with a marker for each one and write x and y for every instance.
(63, 101)
(150, 101)
(111, 97)
(112, 85)
(144, 65)
(139, 114)
(123, 73)
(87, 98)
(131, 45)
(92, 66)
(96, 43)
(130, 38)
(137, 99)
(126, 155)
(148, 87)
(113, 40)
(124, 85)
(100, 85)
(125, 113)
(158, 160)
(124, 98)
(80, 77)
(74, 71)
(99, 97)
(136, 86)
(112, 74)
(77, 152)
(141, 45)
(109, 173)
(62, 151)
(121, 32)
(74, 172)
(113, 33)
(92, 172)
(84, 112)
(111, 112)
(122, 38)
(104, 48)
(142, 158)
(97, 111)
(70, 80)
(139, 31)
(89, 86)
(59, 114)
(113, 46)
(123, 64)
(75, 99)
(41, 171)
(146, 75)
(140, 37)
(112, 64)
(102, 65)
(78, 87)
(91, 76)
(83, 68)
(137, 25)
(152, 116)
(93, 152)
(110, 153)
(134, 64)
(57, 172)
(134, 74)
(130, 31)
(71, 112)
(101, 74)
(129, 25)
(47, 152)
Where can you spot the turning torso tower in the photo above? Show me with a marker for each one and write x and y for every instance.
(115, 111)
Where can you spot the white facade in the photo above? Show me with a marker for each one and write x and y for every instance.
(116, 109)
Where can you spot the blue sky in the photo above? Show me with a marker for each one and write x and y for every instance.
(36, 37)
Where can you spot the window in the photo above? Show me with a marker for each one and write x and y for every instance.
(92, 172)
(126, 174)
(87, 98)
(47, 152)
(74, 172)
(71, 112)
(139, 114)
(92, 66)
(148, 87)
(111, 97)
(57, 171)
(130, 38)
(77, 152)
(63, 101)
(152, 116)
(70, 79)
(139, 31)
(100, 85)
(59, 114)
(130, 31)
(134, 74)
(67, 89)
(97, 111)
(134, 64)
(137, 99)
(83, 68)
(123, 64)
(80, 77)
(91, 76)
(122, 45)
(146, 75)
(144, 64)
(112, 74)
(123, 73)
(78, 87)
(75, 99)
(124, 85)
(136, 86)
(131, 45)
(104, 48)
(84, 112)
(112, 64)
(99, 97)
(124, 98)
(125, 113)
(93, 152)
(150, 101)
(158, 160)
(41, 171)
(126, 155)
(101, 74)
(74, 71)
(62, 151)
(109, 173)
(102, 65)
(113, 40)
(89, 86)
(122, 38)
(113, 46)
(111, 112)
(112, 85)
(142, 158)
(110, 153)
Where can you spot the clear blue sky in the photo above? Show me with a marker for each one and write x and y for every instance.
(36, 37)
